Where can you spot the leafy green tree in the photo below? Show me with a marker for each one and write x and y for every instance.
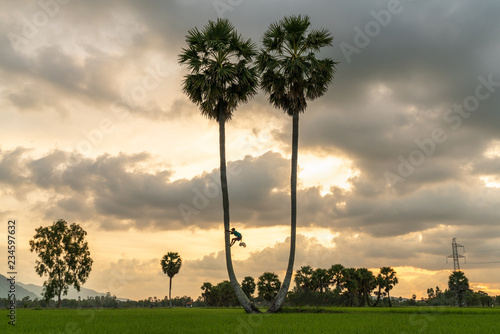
(303, 278)
(64, 257)
(171, 264)
(430, 293)
(336, 276)
(481, 298)
(390, 280)
(268, 286)
(291, 74)
(221, 78)
(224, 295)
(458, 284)
(248, 286)
(220, 295)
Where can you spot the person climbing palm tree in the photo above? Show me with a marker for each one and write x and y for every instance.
(238, 236)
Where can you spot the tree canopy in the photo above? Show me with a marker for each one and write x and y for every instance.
(458, 284)
(64, 257)
(268, 286)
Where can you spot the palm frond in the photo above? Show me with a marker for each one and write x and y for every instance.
(290, 71)
(220, 64)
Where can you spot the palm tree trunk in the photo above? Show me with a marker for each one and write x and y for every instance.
(170, 292)
(280, 298)
(389, 297)
(378, 296)
(242, 298)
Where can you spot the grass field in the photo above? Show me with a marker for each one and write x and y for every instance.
(220, 320)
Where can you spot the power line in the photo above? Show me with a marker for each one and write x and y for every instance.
(438, 271)
(484, 251)
(483, 262)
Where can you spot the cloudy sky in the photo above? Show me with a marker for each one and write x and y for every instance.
(401, 155)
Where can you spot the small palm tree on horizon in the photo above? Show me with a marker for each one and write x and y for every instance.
(291, 74)
(171, 264)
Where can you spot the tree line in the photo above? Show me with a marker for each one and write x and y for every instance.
(98, 302)
(458, 294)
(341, 286)
(334, 286)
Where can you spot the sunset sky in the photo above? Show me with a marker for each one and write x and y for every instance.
(401, 154)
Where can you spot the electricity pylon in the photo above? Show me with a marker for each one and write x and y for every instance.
(455, 255)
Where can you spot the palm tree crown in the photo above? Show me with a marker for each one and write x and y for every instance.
(171, 264)
(291, 73)
(220, 73)
(458, 283)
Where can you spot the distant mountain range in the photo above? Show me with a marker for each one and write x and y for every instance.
(35, 291)
(21, 292)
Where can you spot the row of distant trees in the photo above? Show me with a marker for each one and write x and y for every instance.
(97, 302)
(447, 297)
(337, 285)
(459, 294)
(341, 285)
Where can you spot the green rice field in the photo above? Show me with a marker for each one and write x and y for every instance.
(235, 320)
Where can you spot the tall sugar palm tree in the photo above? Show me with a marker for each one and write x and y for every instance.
(221, 78)
(366, 284)
(303, 278)
(381, 285)
(171, 264)
(291, 74)
(320, 280)
(389, 280)
(350, 283)
(335, 272)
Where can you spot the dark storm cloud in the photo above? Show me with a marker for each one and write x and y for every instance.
(118, 189)
(404, 84)
(117, 193)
